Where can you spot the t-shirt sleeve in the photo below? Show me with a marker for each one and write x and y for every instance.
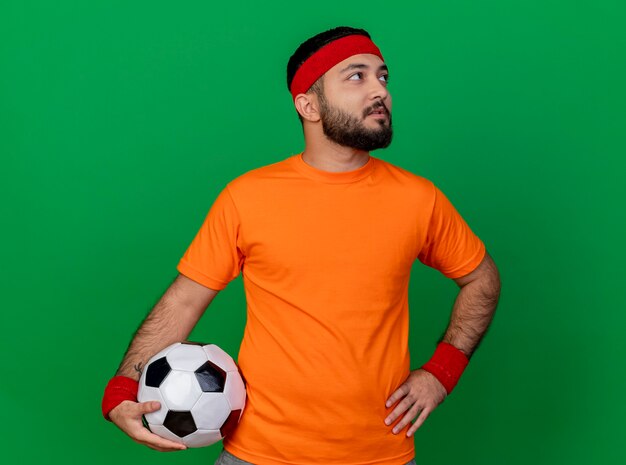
(450, 245)
(214, 258)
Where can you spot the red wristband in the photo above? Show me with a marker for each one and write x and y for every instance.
(447, 365)
(119, 389)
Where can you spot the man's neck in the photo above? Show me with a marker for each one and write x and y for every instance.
(327, 156)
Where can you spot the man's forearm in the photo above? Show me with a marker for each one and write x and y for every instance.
(472, 313)
(168, 322)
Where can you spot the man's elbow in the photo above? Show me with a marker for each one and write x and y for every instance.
(486, 275)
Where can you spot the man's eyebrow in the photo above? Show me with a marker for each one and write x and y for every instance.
(362, 66)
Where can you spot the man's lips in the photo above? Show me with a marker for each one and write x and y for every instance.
(378, 113)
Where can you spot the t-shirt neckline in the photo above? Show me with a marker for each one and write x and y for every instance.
(333, 177)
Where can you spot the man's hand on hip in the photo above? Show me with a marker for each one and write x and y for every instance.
(421, 392)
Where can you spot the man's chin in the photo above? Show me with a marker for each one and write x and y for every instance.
(377, 146)
(379, 128)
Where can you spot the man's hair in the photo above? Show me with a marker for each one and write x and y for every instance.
(312, 45)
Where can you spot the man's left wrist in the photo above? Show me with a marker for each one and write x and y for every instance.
(447, 365)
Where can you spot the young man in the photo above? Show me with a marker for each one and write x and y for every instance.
(325, 241)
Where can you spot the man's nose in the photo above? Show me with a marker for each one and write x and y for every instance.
(378, 89)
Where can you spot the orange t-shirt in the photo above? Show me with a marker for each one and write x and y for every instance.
(326, 259)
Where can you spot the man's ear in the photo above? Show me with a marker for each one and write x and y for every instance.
(308, 106)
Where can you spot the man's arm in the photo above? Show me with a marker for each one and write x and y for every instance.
(472, 313)
(171, 320)
(474, 307)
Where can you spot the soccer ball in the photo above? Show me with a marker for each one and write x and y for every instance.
(201, 392)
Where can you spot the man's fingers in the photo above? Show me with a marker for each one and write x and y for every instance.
(412, 413)
(160, 449)
(147, 407)
(398, 393)
(420, 394)
(420, 420)
(127, 417)
(144, 436)
(152, 440)
(399, 410)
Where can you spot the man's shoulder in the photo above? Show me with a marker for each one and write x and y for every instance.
(260, 174)
(404, 177)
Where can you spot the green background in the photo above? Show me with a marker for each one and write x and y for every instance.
(121, 121)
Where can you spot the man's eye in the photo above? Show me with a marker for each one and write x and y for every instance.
(384, 77)
(358, 75)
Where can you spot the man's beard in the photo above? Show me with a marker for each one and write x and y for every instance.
(345, 129)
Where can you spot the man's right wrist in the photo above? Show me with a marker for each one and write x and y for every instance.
(118, 389)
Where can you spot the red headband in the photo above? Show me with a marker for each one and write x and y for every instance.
(327, 57)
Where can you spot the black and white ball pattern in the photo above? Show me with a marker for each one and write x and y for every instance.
(201, 391)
